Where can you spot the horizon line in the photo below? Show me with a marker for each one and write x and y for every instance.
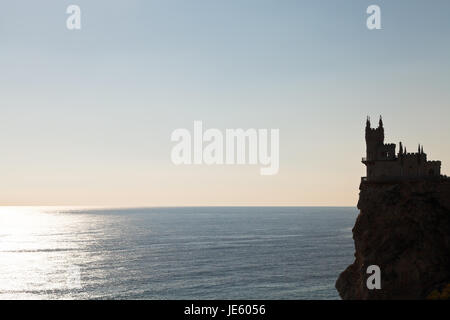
(174, 206)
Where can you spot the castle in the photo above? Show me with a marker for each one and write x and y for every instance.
(384, 165)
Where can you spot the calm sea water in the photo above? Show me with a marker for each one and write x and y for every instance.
(174, 253)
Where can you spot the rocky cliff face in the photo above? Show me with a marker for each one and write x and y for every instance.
(404, 228)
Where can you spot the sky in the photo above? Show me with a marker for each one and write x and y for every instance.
(86, 115)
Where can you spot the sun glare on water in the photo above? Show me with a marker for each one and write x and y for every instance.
(36, 254)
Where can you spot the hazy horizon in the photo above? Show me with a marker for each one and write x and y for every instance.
(86, 115)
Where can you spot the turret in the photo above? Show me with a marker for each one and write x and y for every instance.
(382, 163)
(374, 141)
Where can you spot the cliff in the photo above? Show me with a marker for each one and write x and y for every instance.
(404, 228)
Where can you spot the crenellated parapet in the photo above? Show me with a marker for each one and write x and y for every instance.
(383, 164)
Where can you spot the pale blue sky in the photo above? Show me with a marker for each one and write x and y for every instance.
(86, 115)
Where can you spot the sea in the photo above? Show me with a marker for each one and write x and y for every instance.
(174, 253)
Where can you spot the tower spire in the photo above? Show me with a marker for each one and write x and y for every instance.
(380, 123)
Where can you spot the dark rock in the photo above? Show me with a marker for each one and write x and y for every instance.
(404, 228)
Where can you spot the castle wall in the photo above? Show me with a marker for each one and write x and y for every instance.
(384, 169)
(433, 168)
(408, 167)
(383, 164)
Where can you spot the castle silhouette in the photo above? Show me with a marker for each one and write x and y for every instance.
(383, 164)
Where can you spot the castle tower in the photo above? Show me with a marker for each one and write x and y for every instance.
(374, 141)
(383, 164)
